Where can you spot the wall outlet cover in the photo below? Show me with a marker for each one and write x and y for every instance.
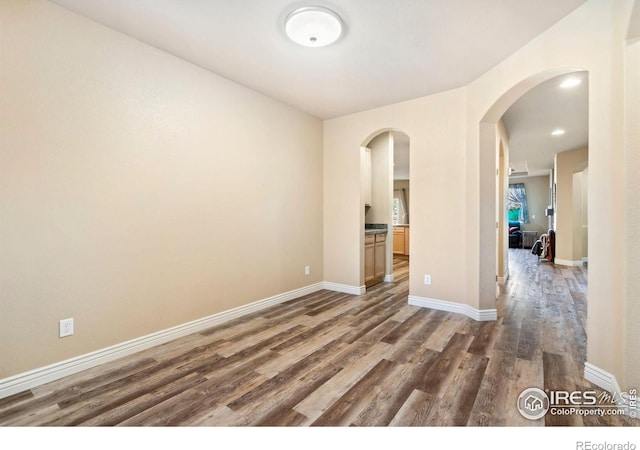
(65, 327)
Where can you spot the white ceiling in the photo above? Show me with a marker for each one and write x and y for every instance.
(531, 119)
(391, 51)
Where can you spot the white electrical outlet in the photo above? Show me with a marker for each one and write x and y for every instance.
(307, 270)
(427, 279)
(66, 327)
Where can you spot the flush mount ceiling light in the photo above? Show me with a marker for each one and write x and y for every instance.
(313, 26)
(557, 132)
(570, 82)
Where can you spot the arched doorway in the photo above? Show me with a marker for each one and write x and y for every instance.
(385, 205)
(489, 164)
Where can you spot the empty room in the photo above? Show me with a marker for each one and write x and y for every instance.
(356, 213)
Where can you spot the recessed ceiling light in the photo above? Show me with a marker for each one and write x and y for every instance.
(313, 26)
(557, 132)
(570, 82)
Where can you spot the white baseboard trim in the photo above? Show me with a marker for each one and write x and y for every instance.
(503, 279)
(480, 315)
(601, 378)
(608, 382)
(345, 288)
(388, 278)
(566, 262)
(42, 375)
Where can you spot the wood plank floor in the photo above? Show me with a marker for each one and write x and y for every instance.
(331, 359)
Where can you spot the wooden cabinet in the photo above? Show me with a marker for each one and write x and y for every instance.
(369, 259)
(401, 240)
(380, 256)
(375, 258)
(365, 176)
(398, 240)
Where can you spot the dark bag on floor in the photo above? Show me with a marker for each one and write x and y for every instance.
(537, 248)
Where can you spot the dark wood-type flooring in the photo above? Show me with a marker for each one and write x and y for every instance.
(339, 360)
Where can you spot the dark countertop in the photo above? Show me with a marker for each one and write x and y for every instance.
(402, 225)
(375, 228)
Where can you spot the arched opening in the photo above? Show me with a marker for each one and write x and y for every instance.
(385, 206)
(489, 164)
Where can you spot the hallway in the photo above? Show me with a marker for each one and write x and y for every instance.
(335, 359)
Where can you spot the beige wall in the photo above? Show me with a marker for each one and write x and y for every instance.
(538, 198)
(453, 163)
(381, 182)
(577, 218)
(569, 204)
(435, 126)
(137, 191)
(580, 215)
(585, 213)
(632, 215)
(502, 192)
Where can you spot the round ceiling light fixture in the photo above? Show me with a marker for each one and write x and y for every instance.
(313, 26)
